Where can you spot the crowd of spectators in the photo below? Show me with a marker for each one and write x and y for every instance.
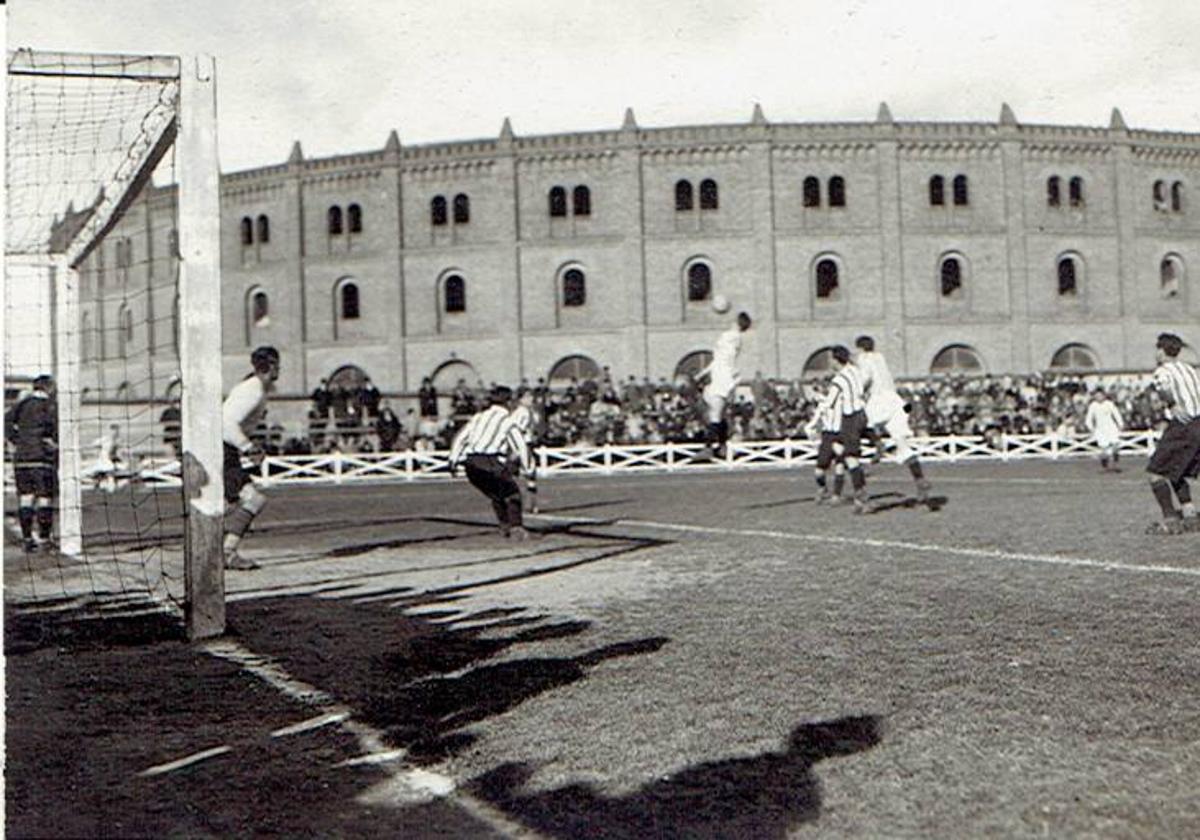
(643, 411)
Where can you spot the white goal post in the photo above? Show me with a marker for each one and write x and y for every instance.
(63, 199)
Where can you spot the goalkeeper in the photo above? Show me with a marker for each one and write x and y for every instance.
(242, 410)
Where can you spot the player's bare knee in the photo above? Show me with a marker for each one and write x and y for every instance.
(251, 500)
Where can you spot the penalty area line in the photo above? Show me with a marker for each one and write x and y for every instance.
(934, 548)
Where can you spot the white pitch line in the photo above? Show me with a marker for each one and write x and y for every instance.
(310, 724)
(194, 758)
(982, 553)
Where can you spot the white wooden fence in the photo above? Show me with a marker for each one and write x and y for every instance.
(347, 468)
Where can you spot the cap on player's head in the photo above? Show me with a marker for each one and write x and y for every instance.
(263, 357)
(43, 381)
(865, 342)
(500, 395)
(841, 353)
(1170, 344)
(743, 321)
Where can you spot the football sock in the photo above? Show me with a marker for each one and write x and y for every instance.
(25, 515)
(839, 482)
(1104, 461)
(1183, 492)
(914, 467)
(857, 479)
(819, 475)
(45, 520)
(1166, 500)
(238, 522)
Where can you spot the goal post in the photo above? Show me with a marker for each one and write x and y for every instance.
(112, 274)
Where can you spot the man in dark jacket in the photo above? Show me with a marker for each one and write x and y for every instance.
(31, 427)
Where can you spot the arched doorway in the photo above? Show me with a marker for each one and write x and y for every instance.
(577, 367)
(349, 377)
(819, 365)
(691, 364)
(1073, 357)
(449, 373)
(957, 359)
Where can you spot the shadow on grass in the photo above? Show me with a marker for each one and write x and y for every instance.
(763, 797)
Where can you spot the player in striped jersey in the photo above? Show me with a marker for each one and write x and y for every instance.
(886, 408)
(484, 446)
(1177, 456)
(850, 404)
(826, 423)
(523, 418)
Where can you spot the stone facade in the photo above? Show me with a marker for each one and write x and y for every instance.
(1133, 210)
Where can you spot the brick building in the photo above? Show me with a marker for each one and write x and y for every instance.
(993, 247)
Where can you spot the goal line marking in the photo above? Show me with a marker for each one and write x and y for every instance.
(979, 553)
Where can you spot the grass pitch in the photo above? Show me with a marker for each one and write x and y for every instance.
(678, 656)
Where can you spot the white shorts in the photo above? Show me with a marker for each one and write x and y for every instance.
(1107, 437)
(883, 407)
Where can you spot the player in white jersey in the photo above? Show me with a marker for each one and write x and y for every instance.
(241, 412)
(886, 408)
(1104, 421)
(722, 374)
(522, 415)
(1176, 458)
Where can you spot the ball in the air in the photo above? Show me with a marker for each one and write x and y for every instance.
(720, 304)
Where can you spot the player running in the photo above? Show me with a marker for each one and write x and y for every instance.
(722, 374)
(1177, 456)
(31, 427)
(1103, 420)
(849, 404)
(241, 412)
(484, 445)
(886, 408)
(523, 418)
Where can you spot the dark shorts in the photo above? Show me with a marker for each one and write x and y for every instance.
(1177, 455)
(236, 476)
(851, 432)
(37, 481)
(825, 452)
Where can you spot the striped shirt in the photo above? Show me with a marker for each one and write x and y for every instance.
(522, 418)
(1180, 382)
(490, 432)
(848, 389)
(826, 417)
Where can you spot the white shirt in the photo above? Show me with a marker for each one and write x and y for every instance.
(876, 375)
(722, 370)
(1103, 418)
(241, 411)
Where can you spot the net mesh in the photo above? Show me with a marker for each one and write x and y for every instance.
(91, 298)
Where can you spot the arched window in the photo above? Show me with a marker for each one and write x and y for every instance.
(683, 195)
(708, 194)
(264, 228)
(956, 358)
(812, 191)
(960, 189)
(558, 202)
(951, 277)
(348, 300)
(582, 201)
(333, 220)
(937, 191)
(354, 218)
(699, 282)
(455, 294)
(826, 278)
(579, 368)
(1068, 282)
(1074, 357)
(1053, 191)
(247, 231)
(574, 288)
(1170, 275)
(1160, 195)
(837, 191)
(260, 312)
(1075, 191)
(437, 210)
(819, 364)
(462, 209)
(1177, 196)
(689, 366)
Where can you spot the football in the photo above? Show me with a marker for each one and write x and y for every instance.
(720, 304)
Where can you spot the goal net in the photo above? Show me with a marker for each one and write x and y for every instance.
(111, 287)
